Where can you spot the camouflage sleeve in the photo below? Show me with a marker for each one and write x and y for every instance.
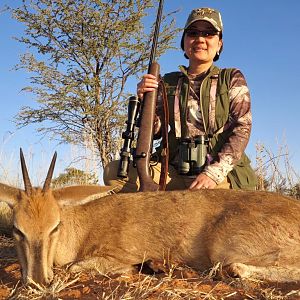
(239, 124)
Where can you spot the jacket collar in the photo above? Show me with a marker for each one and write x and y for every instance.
(213, 71)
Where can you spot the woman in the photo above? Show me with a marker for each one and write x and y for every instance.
(209, 107)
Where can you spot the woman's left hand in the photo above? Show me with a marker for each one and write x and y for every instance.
(202, 181)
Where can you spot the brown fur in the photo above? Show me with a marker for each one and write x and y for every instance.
(252, 234)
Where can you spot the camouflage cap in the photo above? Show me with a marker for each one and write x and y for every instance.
(205, 14)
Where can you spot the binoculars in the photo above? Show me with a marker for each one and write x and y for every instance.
(128, 136)
(192, 155)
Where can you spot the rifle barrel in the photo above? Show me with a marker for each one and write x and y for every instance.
(155, 34)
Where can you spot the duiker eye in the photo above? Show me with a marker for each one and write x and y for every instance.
(18, 233)
(55, 229)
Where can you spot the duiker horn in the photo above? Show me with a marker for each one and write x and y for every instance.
(27, 183)
(50, 173)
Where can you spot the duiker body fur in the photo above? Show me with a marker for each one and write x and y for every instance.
(252, 234)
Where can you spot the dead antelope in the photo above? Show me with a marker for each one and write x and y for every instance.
(252, 234)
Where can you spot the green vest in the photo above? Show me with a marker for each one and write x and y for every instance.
(242, 176)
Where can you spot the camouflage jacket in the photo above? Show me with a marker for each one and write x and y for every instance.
(237, 124)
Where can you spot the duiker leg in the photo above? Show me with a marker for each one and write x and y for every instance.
(101, 265)
(270, 273)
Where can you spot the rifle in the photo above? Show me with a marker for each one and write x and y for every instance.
(142, 153)
(145, 136)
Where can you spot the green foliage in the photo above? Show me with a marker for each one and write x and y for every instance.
(81, 54)
(73, 176)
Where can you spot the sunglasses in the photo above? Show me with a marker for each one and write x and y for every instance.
(194, 33)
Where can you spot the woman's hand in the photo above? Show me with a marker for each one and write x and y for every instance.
(148, 84)
(202, 181)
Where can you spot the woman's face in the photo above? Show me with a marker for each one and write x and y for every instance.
(201, 43)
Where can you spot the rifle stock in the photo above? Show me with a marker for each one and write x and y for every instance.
(145, 136)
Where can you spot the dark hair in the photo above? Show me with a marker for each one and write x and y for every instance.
(217, 55)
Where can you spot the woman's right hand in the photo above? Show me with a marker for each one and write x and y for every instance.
(148, 84)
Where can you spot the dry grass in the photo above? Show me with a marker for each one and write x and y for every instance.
(275, 171)
(141, 286)
(5, 218)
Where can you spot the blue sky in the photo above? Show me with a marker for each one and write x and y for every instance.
(260, 37)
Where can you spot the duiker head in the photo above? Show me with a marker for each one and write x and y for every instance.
(36, 227)
(37, 218)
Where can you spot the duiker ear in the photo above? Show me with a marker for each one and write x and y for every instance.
(80, 194)
(9, 194)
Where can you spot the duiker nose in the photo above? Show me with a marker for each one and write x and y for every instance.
(39, 277)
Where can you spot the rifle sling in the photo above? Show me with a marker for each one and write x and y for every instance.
(165, 142)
